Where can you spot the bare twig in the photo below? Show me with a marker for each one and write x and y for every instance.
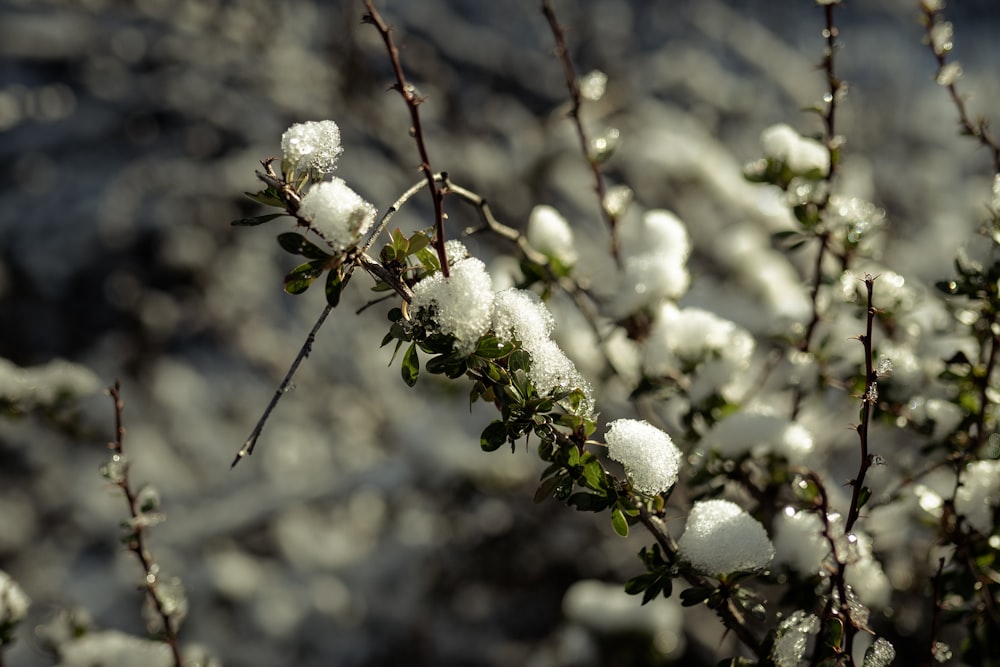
(835, 90)
(978, 129)
(413, 101)
(117, 473)
(251, 442)
(868, 401)
(562, 51)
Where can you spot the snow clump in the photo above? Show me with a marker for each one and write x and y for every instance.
(697, 341)
(655, 249)
(800, 154)
(792, 638)
(720, 537)
(651, 459)
(312, 146)
(337, 213)
(550, 234)
(520, 316)
(759, 434)
(977, 497)
(460, 305)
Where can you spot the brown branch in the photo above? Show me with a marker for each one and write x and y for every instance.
(413, 101)
(868, 400)
(834, 91)
(117, 473)
(562, 51)
(979, 129)
(283, 388)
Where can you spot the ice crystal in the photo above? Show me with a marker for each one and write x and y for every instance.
(792, 639)
(314, 145)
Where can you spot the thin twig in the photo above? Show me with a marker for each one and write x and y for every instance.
(251, 441)
(834, 92)
(137, 527)
(562, 51)
(868, 401)
(413, 101)
(980, 129)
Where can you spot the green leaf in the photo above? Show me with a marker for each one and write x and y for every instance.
(297, 244)
(411, 365)
(588, 502)
(256, 220)
(619, 522)
(638, 584)
(692, 596)
(863, 497)
(266, 197)
(594, 475)
(548, 487)
(662, 586)
(519, 361)
(491, 348)
(336, 281)
(298, 279)
(494, 436)
(418, 242)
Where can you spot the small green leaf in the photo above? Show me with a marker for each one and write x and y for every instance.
(336, 281)
(663, 585)
(594, 475)
(494, 436)
(863, 497)
(638, 584)
(588, 502)
(411, 365)
(519, 361)
(619, 522)
(298, 245)
(266, 197)
(418, 242)
(692, 596)
(491, 348)
(256, 220)
(298, 279)
(547, 488)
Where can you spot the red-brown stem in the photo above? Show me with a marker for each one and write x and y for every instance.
(413, 102)
(137, 542)
(562, 51)
(868, 401)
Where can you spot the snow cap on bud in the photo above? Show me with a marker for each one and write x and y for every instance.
(337, 212)
(550, 234)
(651, 459)
(460, 305)
(720, 537)
(314, 145)
(801, 154)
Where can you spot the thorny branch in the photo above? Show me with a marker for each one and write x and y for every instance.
(562, 51)
(413, 101)
(136, 541)
(832, 97)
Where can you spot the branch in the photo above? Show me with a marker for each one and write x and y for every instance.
(283, 388)
(562, 51)
(117, 472)
(413, 101)
(868, 400)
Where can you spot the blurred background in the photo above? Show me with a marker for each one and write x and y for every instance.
(369, 528)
